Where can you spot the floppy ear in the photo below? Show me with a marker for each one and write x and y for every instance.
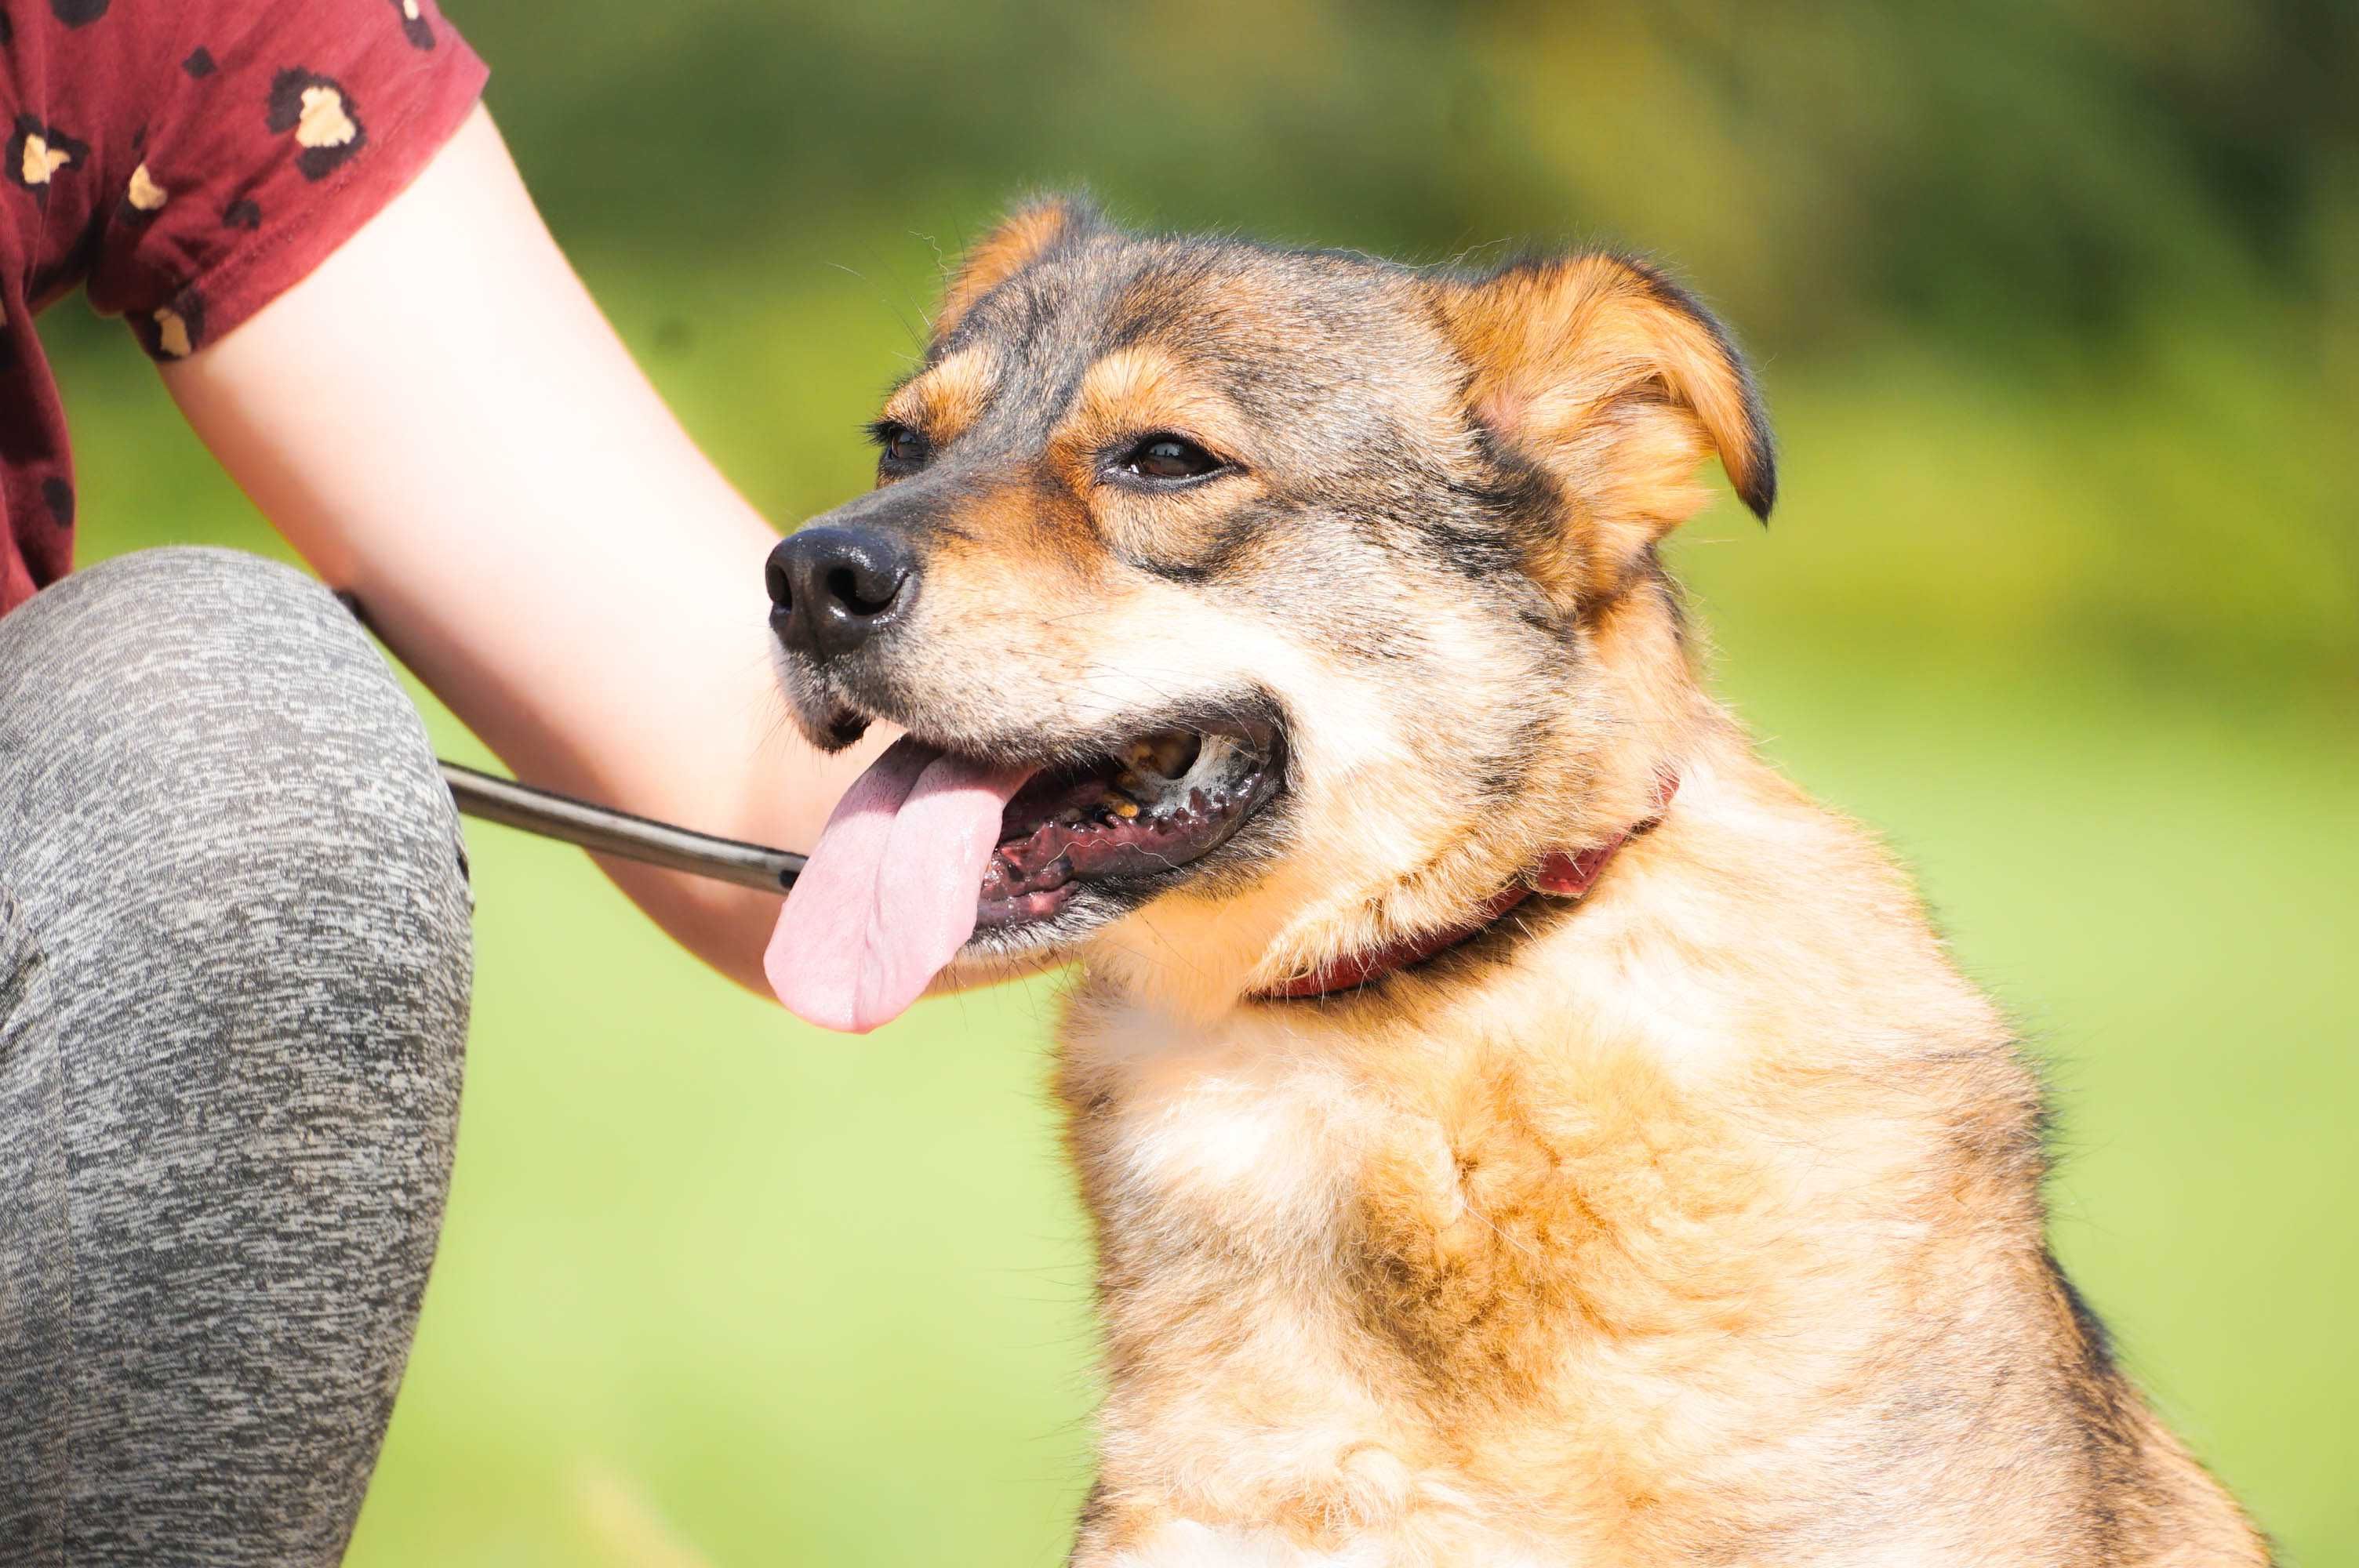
(1618, 383)
(1023, 237)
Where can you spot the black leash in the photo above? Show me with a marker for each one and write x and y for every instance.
(605, 831)
(602, 829)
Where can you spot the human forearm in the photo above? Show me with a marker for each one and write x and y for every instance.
(441, 420)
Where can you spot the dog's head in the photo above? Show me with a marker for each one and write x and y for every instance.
(1286, 576)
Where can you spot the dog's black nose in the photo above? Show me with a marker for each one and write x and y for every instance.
(833, 589)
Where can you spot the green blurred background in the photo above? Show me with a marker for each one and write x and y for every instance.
(2056, 308)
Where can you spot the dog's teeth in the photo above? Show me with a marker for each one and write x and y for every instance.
(1166, 755)
(1127, 779)
(1125, 809)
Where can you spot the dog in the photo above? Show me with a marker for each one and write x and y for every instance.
(1520, 1127)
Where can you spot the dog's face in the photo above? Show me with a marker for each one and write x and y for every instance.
(1282, 568)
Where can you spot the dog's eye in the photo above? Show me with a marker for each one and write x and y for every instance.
(899, 449)
(1168, 458)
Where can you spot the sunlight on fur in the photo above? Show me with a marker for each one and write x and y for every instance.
(1693, 1216)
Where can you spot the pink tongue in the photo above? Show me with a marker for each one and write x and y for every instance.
(889, 895)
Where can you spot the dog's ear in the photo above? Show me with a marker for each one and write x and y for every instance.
(1619, 383)
(1023, 237)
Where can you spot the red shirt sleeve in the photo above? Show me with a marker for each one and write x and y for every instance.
(247, 139)
(189, 160)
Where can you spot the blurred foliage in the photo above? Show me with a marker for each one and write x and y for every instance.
(2057, 306)
(2142, 217)
(2006, 164)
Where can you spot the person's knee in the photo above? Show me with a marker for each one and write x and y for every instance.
(221, 822)
(218, 767)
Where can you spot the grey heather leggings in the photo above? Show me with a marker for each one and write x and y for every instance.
(234, 962)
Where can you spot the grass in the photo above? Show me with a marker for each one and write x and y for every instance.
(717, 1286)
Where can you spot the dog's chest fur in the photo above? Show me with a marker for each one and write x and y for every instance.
(1505, 1269)
(1404, 1294)
(1222, 1165)
(1226, 1141)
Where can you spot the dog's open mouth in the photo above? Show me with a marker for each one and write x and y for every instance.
(1169, 799)
(932, 850)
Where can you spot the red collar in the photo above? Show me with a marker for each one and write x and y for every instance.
(1561, 875)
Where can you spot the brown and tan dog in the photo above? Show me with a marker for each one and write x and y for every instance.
(1521, 1128)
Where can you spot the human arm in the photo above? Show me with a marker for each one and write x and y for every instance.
(441, 420)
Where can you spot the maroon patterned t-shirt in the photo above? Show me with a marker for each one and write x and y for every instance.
(188, 160)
